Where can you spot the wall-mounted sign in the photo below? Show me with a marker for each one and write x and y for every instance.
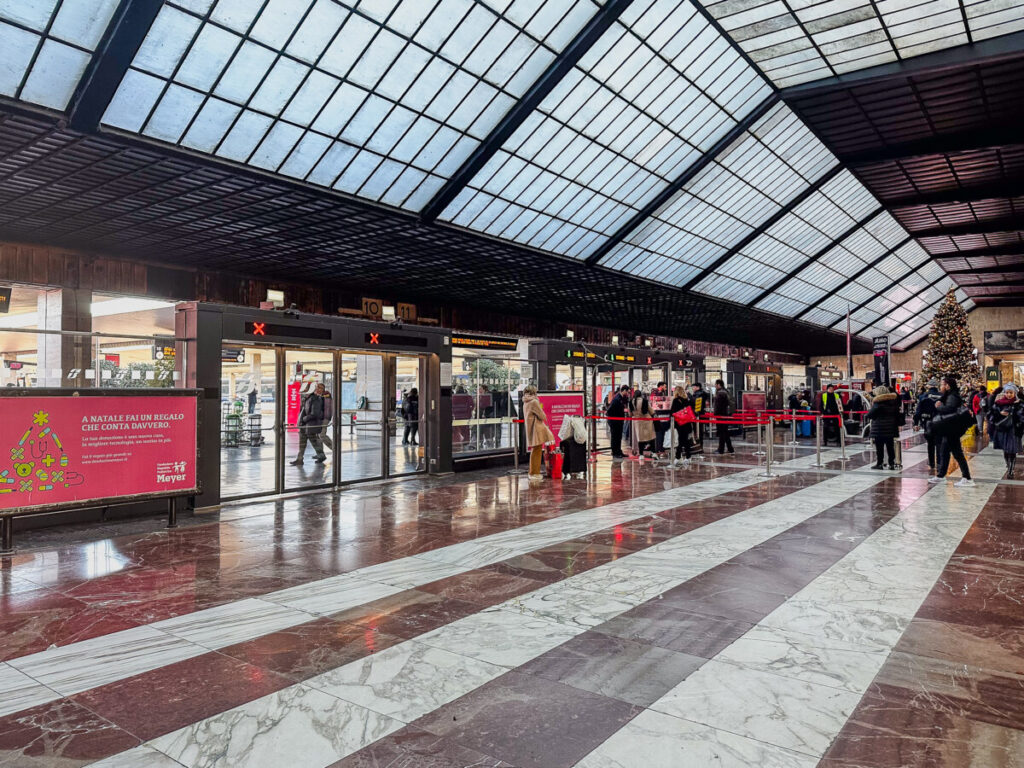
(476, 341)
(260, 329)
(405, 312)
(578, 354)
(232, 355)
(115, 359)
(373, 308)
(378, 339)
(684, 363)
(621, 358)
(163, 352)
(1004, 341)
(5, 299)
(13, 365)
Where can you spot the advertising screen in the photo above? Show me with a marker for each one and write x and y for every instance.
(64, 449)
(558, 405)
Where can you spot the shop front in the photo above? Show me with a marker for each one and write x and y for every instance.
(386, 394)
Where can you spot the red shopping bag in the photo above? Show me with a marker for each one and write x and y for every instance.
(685, 416)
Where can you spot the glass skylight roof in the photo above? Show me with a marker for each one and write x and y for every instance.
(45, 46)
(795, 41)
(657, 90)
(746, 184)
(381, 99)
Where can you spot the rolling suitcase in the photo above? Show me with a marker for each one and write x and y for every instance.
(575, 457)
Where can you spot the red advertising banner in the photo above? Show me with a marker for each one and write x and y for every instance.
(558, 405)
(294, 403)
(755, 401)
(67, 449)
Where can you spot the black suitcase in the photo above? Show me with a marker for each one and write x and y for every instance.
(574, 457)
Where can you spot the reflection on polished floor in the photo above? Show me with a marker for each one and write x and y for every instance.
(644, 617)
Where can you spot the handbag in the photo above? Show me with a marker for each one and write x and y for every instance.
(685, 416)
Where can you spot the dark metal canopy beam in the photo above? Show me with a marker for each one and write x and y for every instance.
(997, 49)
(972, 194)
(814, 257)
(109, 63)
(1004, 224)
(669, 191)
(1014, 287)
(996, 270)
(1009, 249)
(999, 301)
(502, 132)
(944, 144)
(870, 265)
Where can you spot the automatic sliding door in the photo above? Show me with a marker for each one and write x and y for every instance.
(309, 390)
(406, 437)
(361, 427)
(248, 421)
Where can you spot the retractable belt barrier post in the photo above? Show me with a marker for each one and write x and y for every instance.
(817, 441)
(792, 415)
(769, 452)
(760, 426)
(842, 441)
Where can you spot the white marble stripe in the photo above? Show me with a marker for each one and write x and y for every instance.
(408, 681)
(91, 663)
(790, 684)
(19, 691)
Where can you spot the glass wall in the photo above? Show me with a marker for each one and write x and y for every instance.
(248, 439)
(485, 398)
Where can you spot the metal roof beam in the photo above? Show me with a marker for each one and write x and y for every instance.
(994, 50)
(669, 191)
(930, 285)
(996, 270)
(814, 257)
(943, 144)
(870, 265)
(109, 63)
(971, 194)
(546, 83)
(1009, 249)
(1004, 224)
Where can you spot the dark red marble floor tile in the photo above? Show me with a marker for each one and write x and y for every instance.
(158, 702)
(529, 722)
(661, 624)
(975, 598)
(61, 733)
(32, 621)
(483, 587)
(415, 748)
(633, 672)
(309, 649)
(988, 646)
(408, 614)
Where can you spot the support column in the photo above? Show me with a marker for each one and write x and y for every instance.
(63, 359)
(203, 327)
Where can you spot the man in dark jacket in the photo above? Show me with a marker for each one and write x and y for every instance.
(615, 413)
(722, 409)
(884, 415)
(660, 426)
(311, 419)
(701, 407)
(950, 432)
(923, 415)
(832, 411)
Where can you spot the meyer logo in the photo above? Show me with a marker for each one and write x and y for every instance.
(171, 472)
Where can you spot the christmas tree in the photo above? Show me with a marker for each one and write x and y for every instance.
(950, 349)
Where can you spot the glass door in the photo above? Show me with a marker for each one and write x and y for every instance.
(248, 421)
(361, 421)
(406, 427)
(309, 413)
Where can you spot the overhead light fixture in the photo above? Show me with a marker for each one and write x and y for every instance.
(615, 340)
(569, 333)
(275, 297)
(388, 312)
(679, 347)
(647, 342)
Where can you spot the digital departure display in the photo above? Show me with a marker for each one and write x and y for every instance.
(259, 328)
(576, 354)
(485, 342)
(394, 340)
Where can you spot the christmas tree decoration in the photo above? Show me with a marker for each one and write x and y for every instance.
(950, 349)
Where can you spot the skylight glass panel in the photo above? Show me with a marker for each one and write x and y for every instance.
(46, 46)
(383, 100)
(656, 91)
(824, 317)
(782, 305)
(990, 18)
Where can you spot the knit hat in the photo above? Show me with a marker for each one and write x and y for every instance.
(1010, 388)
(933, 382)
(880, 391)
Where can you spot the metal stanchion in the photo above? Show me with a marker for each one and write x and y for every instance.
(792, 416)
(842, 441)
(7, 535)
(817, 442)
(769, 453)
(760, 426)
(515, 449)
(172, 512)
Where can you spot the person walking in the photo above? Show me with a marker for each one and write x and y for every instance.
(325, 429)
(615, 413)
(1006, 425)
(683, 431)
(311, 418)
(411, 416)
(538, 434)
(644, 426)
(884, 417)
(978, 401)
(950, 428)
(923, 415)
(722, 410)
(832, 414)
(701, 407)
(661, 427)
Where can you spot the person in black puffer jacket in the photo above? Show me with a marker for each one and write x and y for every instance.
(923, 415)
(950, 432)
(884, 415)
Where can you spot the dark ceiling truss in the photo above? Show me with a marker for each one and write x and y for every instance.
(984, 227)
(670, 190)
(860, 272)
(110, 61)
(524, 107)
(765, 225)
(815, 257)
(944, 144)
(954, 271)
(973, 193)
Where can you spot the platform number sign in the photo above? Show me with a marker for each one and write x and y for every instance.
(406, 312)
(373, 308)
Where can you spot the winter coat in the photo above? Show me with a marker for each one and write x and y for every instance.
(642, 410)
(721, 402)
(537, 431)
(617, 407)
(831, 404)
(1006, 430)
(926, 407)
(312, 413)
(884, 416)
(699, 401)
(411, 408)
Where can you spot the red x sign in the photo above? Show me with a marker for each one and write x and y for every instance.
(375, 338)
(259, 329)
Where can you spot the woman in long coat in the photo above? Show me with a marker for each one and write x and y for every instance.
(644, 426)
(538, 434)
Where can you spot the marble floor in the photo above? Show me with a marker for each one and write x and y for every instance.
(643, 616)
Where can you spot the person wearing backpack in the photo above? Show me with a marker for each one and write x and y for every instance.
(721, 410)
(950, 423)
